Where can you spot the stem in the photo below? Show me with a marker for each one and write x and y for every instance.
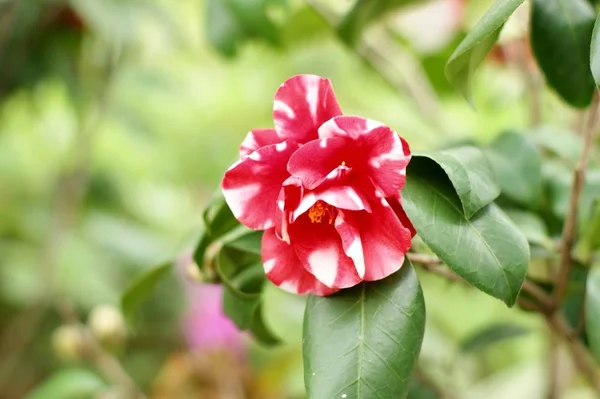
(570, 226)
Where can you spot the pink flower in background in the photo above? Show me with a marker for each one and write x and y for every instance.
(205, 326)
(326, 188)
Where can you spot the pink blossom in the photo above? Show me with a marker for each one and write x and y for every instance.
(326, 190)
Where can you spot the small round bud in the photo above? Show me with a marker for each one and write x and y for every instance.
(68, 342)
(193, 273)
(107, 325)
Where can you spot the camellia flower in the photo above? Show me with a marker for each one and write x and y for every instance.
(326, 190)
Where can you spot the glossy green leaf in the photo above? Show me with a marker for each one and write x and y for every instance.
(243, 279)
(363, 342)
(472, 50)
(218, 221)
(488, 250)
(470, 173)
(595, 52)
(532, 226)
(561, 32)
(492, 335)
(140, 288)
(362, 13)
(517, 166)
(592, 312)
(72, 383)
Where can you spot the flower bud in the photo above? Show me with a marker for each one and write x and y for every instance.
(68, 342)
(107, 325)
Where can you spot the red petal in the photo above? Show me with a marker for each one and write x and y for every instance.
(258, 138)
(284, 269)
(319, 248)
(302, 104)
(251, 185)
(350, 235)
(396, 205)
(376, 150)
(318, 158)
(384, 239)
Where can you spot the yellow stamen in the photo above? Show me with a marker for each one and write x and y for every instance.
(343, 163)
(318, 210)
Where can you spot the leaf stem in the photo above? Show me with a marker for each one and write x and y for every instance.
(570, 226)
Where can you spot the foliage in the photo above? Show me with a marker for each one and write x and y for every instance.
(117, 122)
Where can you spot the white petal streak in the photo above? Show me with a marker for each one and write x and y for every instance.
(269, 265)
(355, 252)
(237, 198)
(324, 265)
(283, 107)
(312, 94)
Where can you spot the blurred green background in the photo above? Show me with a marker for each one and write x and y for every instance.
(117, 121)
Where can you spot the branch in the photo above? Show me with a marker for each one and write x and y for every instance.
(570, 226)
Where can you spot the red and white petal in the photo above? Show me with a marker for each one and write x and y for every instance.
(319, 248)
(258, 138)
(302, 104)
(289, 199)
(384, 239)
(251, 185)
(396, 204)
(285, 270)
(375, 150)
(315, 160)
(351, 242)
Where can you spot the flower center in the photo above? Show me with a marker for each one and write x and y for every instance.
(318, 210)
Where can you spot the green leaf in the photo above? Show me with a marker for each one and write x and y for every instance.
(470, 173)
(364, 342)
(72, 383)
(517, 166)
(592, 312)
(565, 144)
(561, 32)
(492, 335)
(488, 250)
(231, 22)
(595, 52)
(572, 306)
(218, 221)
(420, 390)
(243, 279)
(472, 50)
(589, 241)
(362, 13)
(140, 288)
(560, 179)
(532, 226)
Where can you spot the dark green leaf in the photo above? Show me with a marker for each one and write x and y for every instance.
(595, 52)
(532, 226)
(73, 383)
(487, 250)
(559, 179)
(249, 242)
(470, 173)
(243, 278)
(420, 390)
(364, 342)
(472, 50)
(561, 32)
(492, 335)
(572, 306)
(364, 12)
(590, 237)
(218, 221)
(517, 166)
(592, 312)
(140, 288)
